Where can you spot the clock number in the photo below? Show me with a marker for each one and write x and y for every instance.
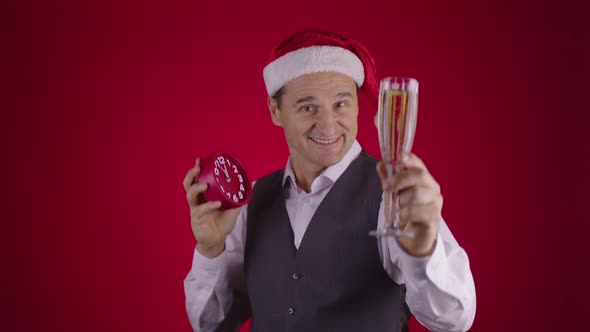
(228, 162)
(222, 189)
(235, 198)
(240, 178)
(228, 195)
(216, 171)
(219, 161)
(235, 169)
(242, 187)
(240, 195)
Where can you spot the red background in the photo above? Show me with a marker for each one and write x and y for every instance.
(106, 104)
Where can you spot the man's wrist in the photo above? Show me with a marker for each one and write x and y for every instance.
(416, 268)
(210, 251)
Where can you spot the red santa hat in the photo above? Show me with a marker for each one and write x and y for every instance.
(313, 51)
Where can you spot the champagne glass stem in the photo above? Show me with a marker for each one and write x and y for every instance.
(392, 206)
(390, 201)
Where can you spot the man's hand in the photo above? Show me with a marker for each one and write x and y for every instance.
(420, 204)
(210, 226)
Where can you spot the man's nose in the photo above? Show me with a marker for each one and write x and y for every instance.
(326, 118)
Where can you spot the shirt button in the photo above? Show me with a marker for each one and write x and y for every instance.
(291, 311)
(296, 276)
(306, 200)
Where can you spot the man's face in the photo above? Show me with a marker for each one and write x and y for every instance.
(318, 113)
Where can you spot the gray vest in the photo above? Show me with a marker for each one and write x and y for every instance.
(335, 281)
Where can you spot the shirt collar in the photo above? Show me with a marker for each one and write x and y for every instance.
(332, 173)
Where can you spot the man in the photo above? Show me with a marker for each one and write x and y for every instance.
(299, 252)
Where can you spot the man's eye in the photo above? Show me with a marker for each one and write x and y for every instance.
(307, 108)
(342, 104)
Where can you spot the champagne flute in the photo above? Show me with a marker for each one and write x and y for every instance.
(396, 125)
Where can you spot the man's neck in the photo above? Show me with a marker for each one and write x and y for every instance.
(304, 176)
(306, 171)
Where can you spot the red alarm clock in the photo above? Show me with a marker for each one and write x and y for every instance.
(226, 180)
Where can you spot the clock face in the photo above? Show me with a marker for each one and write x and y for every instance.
(231, 179)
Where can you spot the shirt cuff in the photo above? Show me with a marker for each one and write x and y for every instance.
(431, 267)
(201, 262)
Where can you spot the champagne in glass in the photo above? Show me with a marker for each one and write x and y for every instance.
(396, 125)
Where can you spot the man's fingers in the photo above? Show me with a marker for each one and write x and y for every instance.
(412, 177)
(189, 178)
(192, 195)
(382, 170)
(415, 173)
(227, 223)
(417, 195)
(197, 212)
(421, 214)
(191, 175)
(406, 178)
(411, 160)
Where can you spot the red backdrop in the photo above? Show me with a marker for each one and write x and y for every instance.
(106, 104)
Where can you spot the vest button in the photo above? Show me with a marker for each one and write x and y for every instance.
(296, 276)
(291, 311)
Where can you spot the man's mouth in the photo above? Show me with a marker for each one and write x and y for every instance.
(324, 141)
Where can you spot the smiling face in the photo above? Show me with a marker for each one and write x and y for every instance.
(318, 113)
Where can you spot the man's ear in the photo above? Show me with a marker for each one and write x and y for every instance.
(275, 113)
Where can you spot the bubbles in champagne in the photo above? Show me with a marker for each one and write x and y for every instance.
(396, 122)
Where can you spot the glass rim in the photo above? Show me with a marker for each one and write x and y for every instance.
(403, 83)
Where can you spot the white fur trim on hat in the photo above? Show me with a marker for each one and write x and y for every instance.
(312, 59)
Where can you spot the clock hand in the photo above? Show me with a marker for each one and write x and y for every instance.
(226, 173)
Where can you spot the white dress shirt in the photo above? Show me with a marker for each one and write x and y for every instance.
(440, 287)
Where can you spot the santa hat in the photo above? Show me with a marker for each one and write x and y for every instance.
(313, 51)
